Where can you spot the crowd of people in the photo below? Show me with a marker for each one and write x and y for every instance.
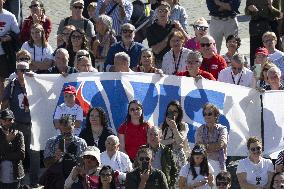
(104, 36)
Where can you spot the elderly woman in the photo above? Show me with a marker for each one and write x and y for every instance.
(262, 81)
(277, 181)
(104, 39)
(83, 62)
(39, 48)
(134, 127)
(200, 27)
(37, 16)
(175, 60)
(198, 172)
(174, 133)
(77, 41)
(121, 63)
(255, 171)
(214, 136)
(90, 166)
(194, 61)
(274, 79)
(97, 130)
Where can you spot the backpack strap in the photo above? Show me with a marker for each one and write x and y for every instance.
(12, 88)
(85, 25)
(66, 21)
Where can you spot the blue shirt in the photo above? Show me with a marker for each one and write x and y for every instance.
(213, 8)
(134, 52)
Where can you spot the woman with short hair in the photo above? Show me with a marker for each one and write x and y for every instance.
(83, 62)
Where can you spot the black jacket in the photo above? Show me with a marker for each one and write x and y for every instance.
(14, 152)
(88, 136)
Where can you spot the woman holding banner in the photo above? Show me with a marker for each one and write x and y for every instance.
(133, 132)
(175, 133)
(255, 171)
(214, 136)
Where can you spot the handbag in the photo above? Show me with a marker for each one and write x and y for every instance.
(259, 27)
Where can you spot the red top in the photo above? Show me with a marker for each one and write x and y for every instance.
(204, 74)
(214, 65)
(135, 136)
(27, 24)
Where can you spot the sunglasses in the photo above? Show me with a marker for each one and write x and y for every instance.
(135, 109)
(255, 149)
(105, 174)
(35, 5)
(23, 70)
(237, 69)
(77, 7)
(172, 111)
(78, 37)
(144, 159)
(26, 59)
(127, 31)
(207, 114)
(268, 40)
(90, 157)
(200, 28)
(163, 10)
(83, 55)
(205, 44)
(221, 183)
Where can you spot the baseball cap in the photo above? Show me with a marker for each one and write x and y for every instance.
(72, 2)
(69, 89)
(92, 151)
(262, 50)
(7, 114)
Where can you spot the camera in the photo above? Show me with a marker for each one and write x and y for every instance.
(145, 166)
(170, 115)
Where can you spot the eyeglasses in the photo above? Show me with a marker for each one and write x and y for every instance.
(205, 44)
(105, 174)
(35, 5)
(193, 62)
(200, 28)
(127, 31)
(83, 55)
(77, 7)
(23, 70)
(173, 111)
(237, 69)
(93, 158)
(144, 159)
(255, 149)
(163, 11)
(207, 114)
(78, 37)
(25, 59)
(135, 109)
(221, 183)
(268, 40)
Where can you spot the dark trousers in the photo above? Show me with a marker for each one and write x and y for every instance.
(14, 185)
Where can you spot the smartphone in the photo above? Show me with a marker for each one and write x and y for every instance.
(145, 166)
(61, 145)
(170, 115)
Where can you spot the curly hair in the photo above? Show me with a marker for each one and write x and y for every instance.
(84, 44)
(102, 115)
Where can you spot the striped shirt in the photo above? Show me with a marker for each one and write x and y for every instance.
(115, 14)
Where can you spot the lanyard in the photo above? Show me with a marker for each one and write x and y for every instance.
(238, 80)
(177, 63)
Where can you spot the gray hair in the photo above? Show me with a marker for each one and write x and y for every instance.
(209, 37)
(128, 26)
(274, 70)
(106, 20)
(79, 54)
(196, 54)
(113, 137)
(155, 129)
(238, 58)
(64, 51)
(122, 55)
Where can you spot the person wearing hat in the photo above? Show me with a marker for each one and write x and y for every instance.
(90, 166)
(76, 19)
(69, 107)
(12, 152)
(198, 172)
(237, 73)
(261, 58)
(15, 97)
(127, 45)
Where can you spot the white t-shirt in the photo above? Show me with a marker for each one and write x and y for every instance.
(119, 161)
(39, 53)
(257, 174)
(75, 111)
(8, 23)
(186, 172)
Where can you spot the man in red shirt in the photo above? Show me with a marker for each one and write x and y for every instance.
(194, 61)
(212, 62)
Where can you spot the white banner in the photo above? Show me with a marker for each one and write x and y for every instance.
(239, 106)
(273, 114)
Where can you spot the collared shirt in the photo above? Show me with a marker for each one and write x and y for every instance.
(115, 14)
(202, 73)
(53, 143)
(213, 65)
(244, 78)
(119, 161)
(280, 64)
(156, 162)
(214, 9)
